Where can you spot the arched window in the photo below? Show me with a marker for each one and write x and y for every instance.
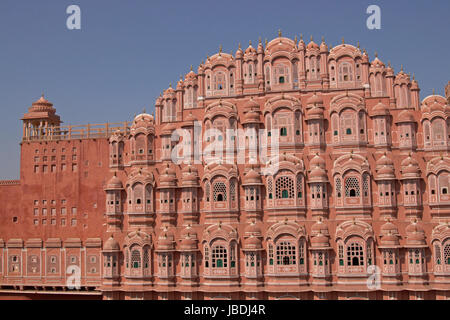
(355, 254)
(447, 254)
(286, 253)
(345, 72)
(220, 192)
(135, 259)
(284, 187)
(352, 187)
(219, 257)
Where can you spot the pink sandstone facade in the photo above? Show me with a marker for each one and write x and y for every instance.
(362, 181)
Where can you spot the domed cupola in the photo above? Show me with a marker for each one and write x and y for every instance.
(415, 235)
(312, 45)
(380, 109)
(111, 245)
(389, 236)
(168, 177)
(40, 120)
(410, 168)
(189, 176)
(114, 183)
(144, 120)
(252, 178)
(385, 169)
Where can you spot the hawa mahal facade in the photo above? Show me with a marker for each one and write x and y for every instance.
(361, 191)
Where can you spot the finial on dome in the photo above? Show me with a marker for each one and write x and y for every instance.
(389, 64)
(343, 41)
(376, 54)
(357, 44)
(170, 85)
(323, 39)
(311, 38)
(433, 91)
(401, 67)
(191, 67)
(414, 77)
(220, 49)
(259, 40)
(295, 39)
(143, 110)
(279, 33)
(239, 46)
(250, 43)
(266, 42)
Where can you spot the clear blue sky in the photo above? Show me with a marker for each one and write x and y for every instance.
(129, 51)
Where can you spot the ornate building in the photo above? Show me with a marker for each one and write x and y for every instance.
(359, 206)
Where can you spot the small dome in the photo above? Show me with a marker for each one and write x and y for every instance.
(191, 76)
(405, 116)
(384, 161)
(111, 245)
(389, 227)
(320, 241)
(312, 45)
(314, 113)
(189, 176)
(143, 120)
(410, 168)
(250, 50)
(42, 102)
(377, 63)
(435, 106)
(317, 161)
(168, 177)
(188, 244)
(252, 178)
(253, 229)
(165, 242)
(252, 243)
(251, 117)
(318, 175)
(114, 183)
(251, 104)
(314, 100)
(380, 109)
(319, 227)
(389, 239)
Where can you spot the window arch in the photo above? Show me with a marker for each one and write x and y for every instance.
(355, 254)
(284, 187)
(220, 191)
(352, 188)
(286, 253)
(345, 72)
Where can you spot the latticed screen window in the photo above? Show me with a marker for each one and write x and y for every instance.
(352, 187)
(284, 188)
(301, 252)
(206, 256)
(341, 255)
(146, 258)
(366, 185)
(338, 187)
(207, 191)
(447, 253)
(219, 257)
(437, 254)
(127, 257)
(233, 190)
(135, 259)
(271, 254)
(286, 253)
(299, 186)
(270, 188)
(355, 254)
(220, 192)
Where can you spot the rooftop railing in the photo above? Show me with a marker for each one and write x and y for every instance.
(89, 131)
